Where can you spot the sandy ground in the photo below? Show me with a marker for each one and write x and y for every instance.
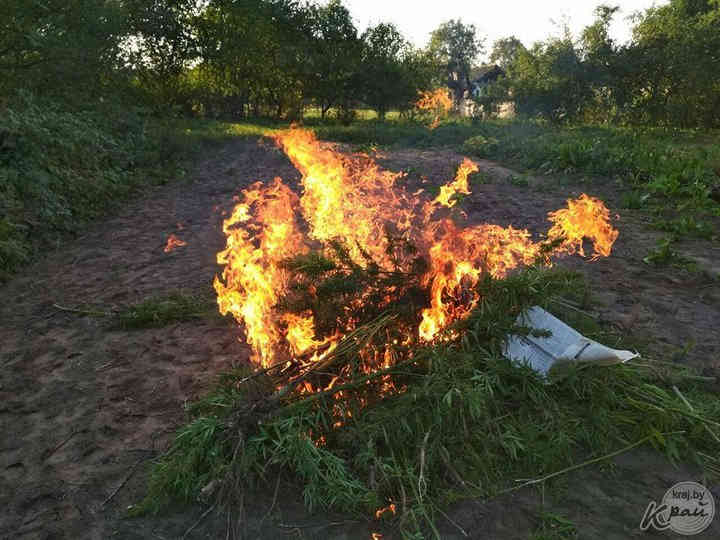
(84, 407)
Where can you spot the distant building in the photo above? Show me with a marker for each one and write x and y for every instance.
(480, 78)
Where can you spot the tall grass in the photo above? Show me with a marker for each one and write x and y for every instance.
(61, 167)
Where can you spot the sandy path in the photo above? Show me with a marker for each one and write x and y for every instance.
(80, 404)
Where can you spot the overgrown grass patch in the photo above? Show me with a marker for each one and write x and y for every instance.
(554, 527)
(160, 311)
(62, 167)
(404, 133)
(467, 422)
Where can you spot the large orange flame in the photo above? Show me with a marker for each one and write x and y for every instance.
(585, 217)
(459, 185)
(352, 201)
(261, 232)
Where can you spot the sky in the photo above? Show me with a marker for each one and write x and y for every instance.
(528, 20)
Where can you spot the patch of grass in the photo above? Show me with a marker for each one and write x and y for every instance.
(481, 146)
(467, 424)
(163, 310)
(554, 527)
(664, 254)
(478, 178)
(519, 180)
(214, 130)
(686, 226)
(401, 133)
(634, 200)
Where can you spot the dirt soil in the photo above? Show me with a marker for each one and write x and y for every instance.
(84, 407)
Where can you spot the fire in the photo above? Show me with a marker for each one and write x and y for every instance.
(261, 232)
(380, 511)
(438, 102)
(351, 201)
(173, 242)
(458, 258)
(300, 334)
(585, 217)
(347, 200)
(459, 185)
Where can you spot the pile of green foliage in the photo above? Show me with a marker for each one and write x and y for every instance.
(467, 422)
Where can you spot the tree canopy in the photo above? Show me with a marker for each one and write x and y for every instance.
(236, 58)
(669, 74)
(456, 47)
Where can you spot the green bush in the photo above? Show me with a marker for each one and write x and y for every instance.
(57, 168)
(481, 146)
(61, 167)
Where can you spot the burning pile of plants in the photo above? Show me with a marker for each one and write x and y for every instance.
(376, 319)
(302, 273)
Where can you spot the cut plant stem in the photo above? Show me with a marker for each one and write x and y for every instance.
(585, 463)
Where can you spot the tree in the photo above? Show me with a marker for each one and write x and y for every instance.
(602, 67)
(55, 46)
(385, 74)
(505, 51)
(253, 55)
(674, 65)
(162, 46)
(334, 56)
(550, 81)
(456, 47)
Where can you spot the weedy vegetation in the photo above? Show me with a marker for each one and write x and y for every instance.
(664, 254)
(154, 312)
(61, 167)
(163, 310)
(555, 527)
